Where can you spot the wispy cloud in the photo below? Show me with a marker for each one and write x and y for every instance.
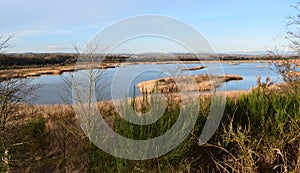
(55, 46)
(31, 33)
(58, 47)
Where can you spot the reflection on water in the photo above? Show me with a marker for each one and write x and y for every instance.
(53, 89)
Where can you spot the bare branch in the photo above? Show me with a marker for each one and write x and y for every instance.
(13, 93)
(75, 46)
(4, 41)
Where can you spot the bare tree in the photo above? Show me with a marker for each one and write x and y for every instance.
(288, 66)
(293, 30)
(13, 93)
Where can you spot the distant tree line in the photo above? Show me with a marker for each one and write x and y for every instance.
(44, 59)
(17, 60)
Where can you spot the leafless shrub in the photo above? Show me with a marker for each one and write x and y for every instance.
(288, 67)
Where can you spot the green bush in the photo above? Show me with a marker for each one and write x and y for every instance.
(260, 132)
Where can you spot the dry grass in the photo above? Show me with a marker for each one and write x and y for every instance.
(185, 83)
(53, 70)
(245, 142)
(193, 68)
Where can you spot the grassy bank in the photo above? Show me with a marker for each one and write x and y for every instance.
(259, 133)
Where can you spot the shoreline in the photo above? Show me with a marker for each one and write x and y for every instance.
(25, 72)
(109, 105)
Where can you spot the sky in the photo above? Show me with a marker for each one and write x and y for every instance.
(232, 26)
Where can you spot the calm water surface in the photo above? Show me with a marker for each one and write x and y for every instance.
(53, 89)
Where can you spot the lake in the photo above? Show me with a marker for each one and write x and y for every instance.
(53, 89)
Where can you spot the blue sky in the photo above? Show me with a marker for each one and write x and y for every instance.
(229, 26)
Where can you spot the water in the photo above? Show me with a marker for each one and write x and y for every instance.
(54, 91)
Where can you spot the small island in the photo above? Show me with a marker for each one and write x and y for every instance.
(172, 84)
(193, 68)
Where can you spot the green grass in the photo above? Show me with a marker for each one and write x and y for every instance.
(258, 133)
(261, 132)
